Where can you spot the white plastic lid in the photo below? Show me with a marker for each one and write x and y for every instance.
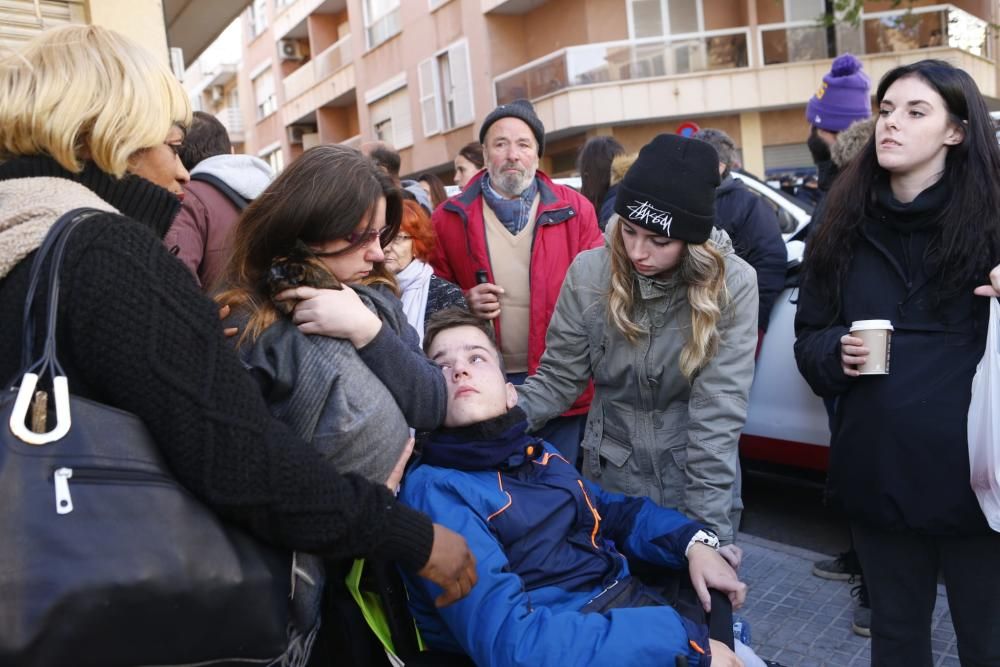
(861, 325)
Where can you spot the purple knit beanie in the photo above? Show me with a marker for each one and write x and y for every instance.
(842, 98)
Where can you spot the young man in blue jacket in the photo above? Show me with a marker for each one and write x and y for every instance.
(552, 549)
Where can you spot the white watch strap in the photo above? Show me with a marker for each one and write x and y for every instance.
(702, 537)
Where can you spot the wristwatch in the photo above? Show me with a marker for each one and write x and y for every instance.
(705, 537)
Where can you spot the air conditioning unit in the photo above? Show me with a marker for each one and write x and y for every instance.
(217, 93)
(290, 49)
(295, 132)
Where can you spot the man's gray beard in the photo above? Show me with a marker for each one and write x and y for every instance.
(512, 185)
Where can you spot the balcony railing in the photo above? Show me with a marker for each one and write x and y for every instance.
(231, 118)
(625, 61)
(325, 64)
(881, 32)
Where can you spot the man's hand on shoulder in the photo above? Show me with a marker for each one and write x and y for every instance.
(452, 566)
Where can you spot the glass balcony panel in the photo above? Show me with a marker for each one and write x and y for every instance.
(967, 32)
(884, 32)
(794, 44)
(904, 31)
(624, 61)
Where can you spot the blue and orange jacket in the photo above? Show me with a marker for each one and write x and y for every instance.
(549, 547)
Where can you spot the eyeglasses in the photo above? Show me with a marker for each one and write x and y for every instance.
(401, 238)
(360, 240)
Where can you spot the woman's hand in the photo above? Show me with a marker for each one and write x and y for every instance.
(396, 476)
(733, 555)
(993, 289)
(710, 570)
(722, 656)
(334, 313)
(228, 332)
(853, 353)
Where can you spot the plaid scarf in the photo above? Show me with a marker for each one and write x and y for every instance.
(512, 213)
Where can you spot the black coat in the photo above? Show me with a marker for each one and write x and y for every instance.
(753, 227)
(136, 333)
(899, 452)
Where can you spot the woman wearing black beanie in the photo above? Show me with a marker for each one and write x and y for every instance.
(664, 319)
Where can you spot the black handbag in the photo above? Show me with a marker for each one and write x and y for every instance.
(105, 559)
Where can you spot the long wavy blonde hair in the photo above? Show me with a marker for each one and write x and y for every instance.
(702, 269)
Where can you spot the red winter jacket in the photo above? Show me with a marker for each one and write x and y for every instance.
(566, 225)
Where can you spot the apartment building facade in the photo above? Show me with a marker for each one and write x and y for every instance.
(421, 74)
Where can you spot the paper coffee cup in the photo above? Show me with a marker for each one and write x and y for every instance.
(877, 337)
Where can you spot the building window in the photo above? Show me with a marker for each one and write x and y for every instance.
(446, 90)
(434, 4)
(390, 117)
(381, 20)
(263, 94)
(258, 17)
(662, 18)
(276, 159)
(804, 10)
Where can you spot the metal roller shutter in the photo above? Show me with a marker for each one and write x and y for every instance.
(787, 159)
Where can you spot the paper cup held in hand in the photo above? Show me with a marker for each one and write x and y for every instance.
(877, 337)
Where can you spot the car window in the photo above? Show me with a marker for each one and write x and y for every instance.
(786, 221)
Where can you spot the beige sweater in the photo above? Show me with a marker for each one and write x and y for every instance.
(31, 206)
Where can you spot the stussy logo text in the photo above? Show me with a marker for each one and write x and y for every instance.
(650, 215)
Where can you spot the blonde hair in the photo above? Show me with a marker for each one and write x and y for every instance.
(702, 269)
(620, 165)
(78, 93)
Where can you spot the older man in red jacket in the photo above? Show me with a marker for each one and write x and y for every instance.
(507, 241)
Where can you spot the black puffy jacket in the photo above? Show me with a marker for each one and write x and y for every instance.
(753, 227)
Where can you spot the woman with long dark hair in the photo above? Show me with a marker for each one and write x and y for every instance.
(324, 238)
(468, 163)
(911, 228)
(594, 165)
(434, 187)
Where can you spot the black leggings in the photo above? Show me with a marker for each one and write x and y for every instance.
(901, 570)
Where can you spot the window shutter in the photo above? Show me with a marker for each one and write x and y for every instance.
(461, 78)
(22, 20)
(430, 108)
(402, 125)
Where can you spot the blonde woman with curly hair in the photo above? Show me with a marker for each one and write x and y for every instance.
(664, 319)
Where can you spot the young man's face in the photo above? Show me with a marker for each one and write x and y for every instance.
(477, 387)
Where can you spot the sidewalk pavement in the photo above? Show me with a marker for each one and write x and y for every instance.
(801, 620)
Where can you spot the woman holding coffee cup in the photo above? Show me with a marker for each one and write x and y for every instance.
(888, 325)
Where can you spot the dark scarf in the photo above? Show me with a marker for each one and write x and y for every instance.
(134, 196)
(498, 443)
(923, 213)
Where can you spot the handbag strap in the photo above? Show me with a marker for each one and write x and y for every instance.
(54, 245)
(55, 239)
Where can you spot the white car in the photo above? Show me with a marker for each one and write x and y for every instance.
(786, 422)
